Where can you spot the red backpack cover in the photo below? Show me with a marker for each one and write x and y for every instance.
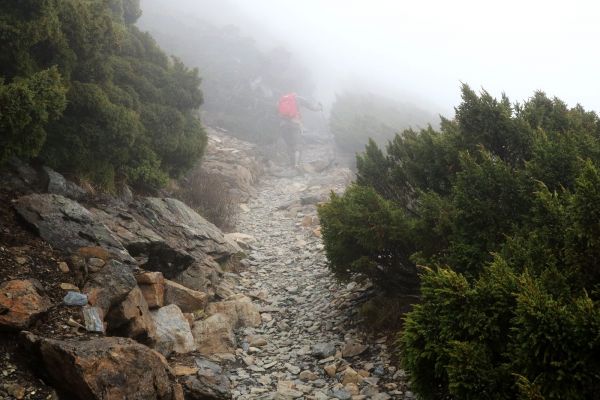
(288, 107)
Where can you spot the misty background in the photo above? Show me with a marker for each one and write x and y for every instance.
(414, 54)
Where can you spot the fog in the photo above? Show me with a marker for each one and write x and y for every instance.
(422, 51)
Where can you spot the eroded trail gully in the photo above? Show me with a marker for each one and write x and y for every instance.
(308, 346)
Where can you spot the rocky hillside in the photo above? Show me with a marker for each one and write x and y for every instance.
(141, 297)
(117, 285)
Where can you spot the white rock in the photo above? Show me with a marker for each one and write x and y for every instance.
(173, 332)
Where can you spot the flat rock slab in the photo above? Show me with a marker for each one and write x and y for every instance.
(67, 225)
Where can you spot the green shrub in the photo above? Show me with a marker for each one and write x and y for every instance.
(26, 107)
(502, 207)
(93, 96)
(366, 235)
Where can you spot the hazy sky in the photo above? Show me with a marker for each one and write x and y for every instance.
(424, 49)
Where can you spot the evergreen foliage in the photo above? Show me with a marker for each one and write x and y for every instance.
(500, 207)
(92, 95)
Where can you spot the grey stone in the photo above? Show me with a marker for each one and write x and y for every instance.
(75, 299)
(323, 350)
(200, 387)
(341, 394)
(67, 225)
(92, 319)
(109, 286)
(57, 184)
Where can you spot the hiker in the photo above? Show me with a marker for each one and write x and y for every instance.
(291, 124)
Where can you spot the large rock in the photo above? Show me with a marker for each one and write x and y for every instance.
(55, 183)
(204, 275)
(105, 368)
(132, 319)
(187, 300)
(109, 286)
(152, 285)
(214, 335)
(171, 237)
(240, 310)
(67, 225)
(233, 162)
(19, 175)
(20, 304)
(185, 228)
(173, 333)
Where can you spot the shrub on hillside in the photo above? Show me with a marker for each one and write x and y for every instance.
(502, 207)
(129, 108)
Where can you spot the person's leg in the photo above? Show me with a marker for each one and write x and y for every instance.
(297, 144)
(287, 133)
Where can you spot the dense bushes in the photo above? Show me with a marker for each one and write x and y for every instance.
(92, 95)
(501, 208)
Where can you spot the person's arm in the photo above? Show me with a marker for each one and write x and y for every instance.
(308, 104)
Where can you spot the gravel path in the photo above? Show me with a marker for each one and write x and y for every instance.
(309, 346)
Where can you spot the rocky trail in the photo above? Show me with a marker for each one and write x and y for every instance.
(141, 297)
(309, 345)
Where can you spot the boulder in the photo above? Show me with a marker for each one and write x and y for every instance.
(109, 286)
(67, 225)
(173, 333)
(21, 303)
(208, 383)
(203, 275)
(214, 335)
(152, 285)
(187, 300)
(19, 175)
(132, 319)
(168, 234)
(240, 311)
(104, 368)
(55, 183)
(183, 228)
